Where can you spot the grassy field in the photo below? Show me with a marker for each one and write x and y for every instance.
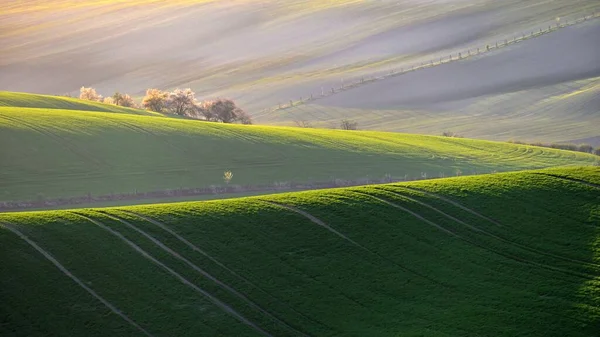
(26, 100)
(52, 153)
(510, 254)
(502, 94)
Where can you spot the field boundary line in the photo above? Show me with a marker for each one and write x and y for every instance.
(319, 222)
(465, 54)
(223, 306)
(508, 256)
(568, 179)
(65, 271)
(476, 229)
(200, 270)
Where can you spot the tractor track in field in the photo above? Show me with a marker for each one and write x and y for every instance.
(454, 203)
(214, 260)
(202, 271)
(146, 131)
(223, 306)
(68, 144)
(319, 222)
(587, 183)
(499, 238)
(80, 283)
(508, 256)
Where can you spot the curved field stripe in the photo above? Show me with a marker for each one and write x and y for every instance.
(499, 238)
(508, 256)
(202, 271)
(213, 259)
(587, 183)
(72, 147)
(74, 278)
(319, 222)
(452, 202)
(223, 306)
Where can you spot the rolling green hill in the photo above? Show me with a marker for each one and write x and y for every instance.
(510, 254)
(55, 153)
(27, 100)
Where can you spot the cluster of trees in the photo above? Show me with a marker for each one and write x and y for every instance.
(451, 134)
(345, 124)
(181, 102)
(587, 148)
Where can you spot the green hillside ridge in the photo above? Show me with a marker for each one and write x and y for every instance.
(492, 255)
(27, 100)
(53, 153)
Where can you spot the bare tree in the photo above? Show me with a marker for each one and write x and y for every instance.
(303, 124)
(244, 117)
(89, 94)
(121, 100)
(451, 134)
(181, 102)
(205, 109)
(587, 148)
(155, 100)
(348, 124)
(223, 110)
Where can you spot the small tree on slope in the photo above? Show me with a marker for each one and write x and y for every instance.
(155, 100)
(89, 94)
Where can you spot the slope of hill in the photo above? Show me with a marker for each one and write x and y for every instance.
(258, 52)
(493, 255)
(54, 153)
(27, 100)
(531, 90)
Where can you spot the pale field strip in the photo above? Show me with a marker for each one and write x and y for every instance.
(471, 52)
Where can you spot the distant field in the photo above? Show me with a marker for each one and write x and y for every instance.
(529, 91)
(257, 52)
(565, 112)
(52, 153)
(493, 255)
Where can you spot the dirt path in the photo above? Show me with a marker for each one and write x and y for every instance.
(354, 243)
(74, 278)
(203, 272)
(223, 306)
(479, 230)
(460, 237)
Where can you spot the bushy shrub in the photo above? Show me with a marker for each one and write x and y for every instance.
(223, 110)
(303, 124)
(89, 94)
(155, 100)
(122, 100)
(451, 134)
(181, 102)
(348, 124)
(587, 148)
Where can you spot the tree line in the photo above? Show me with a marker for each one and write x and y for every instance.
(181, 102)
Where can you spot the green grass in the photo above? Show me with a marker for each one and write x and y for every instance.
(51, 153)
(26, 100)
(387, 260)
